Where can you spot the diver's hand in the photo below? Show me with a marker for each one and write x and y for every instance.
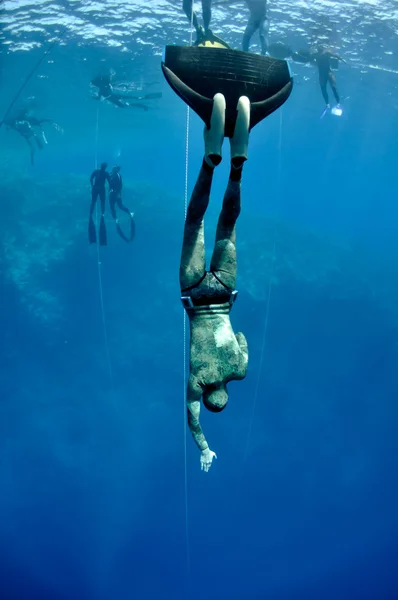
(206, 458)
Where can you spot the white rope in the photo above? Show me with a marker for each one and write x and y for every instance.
(188, 557)
(108, 355)
(270, 286)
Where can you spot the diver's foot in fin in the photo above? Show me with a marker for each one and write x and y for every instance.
(327, 107)
(92, 235)
(214, 136)
(337, 111)
(240, 140)
(102, 232)
(208, 35)
(200, 34)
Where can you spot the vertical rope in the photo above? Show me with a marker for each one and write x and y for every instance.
(187, 122)
(270, 285)
(108, 355)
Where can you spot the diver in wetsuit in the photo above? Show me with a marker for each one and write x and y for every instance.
(322, 59)
(106, 92)
(201, 32)
(115, 197)
(25, 125)
(258, 20)
(98, 179)
(217, 354)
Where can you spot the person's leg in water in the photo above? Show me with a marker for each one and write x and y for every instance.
(223, 261)
(251, 28)
(323, 81)
(112, 203)
(122, 206)
(264, 36)
(206, 12)
(101, 194)
(187, 5)
(102, 231)
(333, 85)
(116, 198)
(32, 150)
(94, 195)
(92, 234)
(193, 260)
(38, 141)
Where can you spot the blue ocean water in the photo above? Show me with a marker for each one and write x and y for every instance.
(101, 492)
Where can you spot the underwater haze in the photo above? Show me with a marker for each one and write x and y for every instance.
(101, 492)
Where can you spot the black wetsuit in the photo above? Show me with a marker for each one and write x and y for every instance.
(97, 180)
(323, 62)
(115, 194)
(258, 20)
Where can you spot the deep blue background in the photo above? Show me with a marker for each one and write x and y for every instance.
(301, 502)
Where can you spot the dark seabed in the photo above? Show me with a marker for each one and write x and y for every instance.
(96, 501)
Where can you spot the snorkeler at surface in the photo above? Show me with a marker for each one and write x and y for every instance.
(115, 198)
(217, 354)
(25, 125)
(258, 20)
(201, 32)
(106, 92)
(97, 180)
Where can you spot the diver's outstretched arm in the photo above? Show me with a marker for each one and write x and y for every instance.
(194, 393)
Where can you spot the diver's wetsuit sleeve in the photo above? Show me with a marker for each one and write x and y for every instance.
(337, 56)
(194, 393)
(92, 176)
(240, 338)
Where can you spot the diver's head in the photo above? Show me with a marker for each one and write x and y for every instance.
(215, 398)
(115, 169)
(103, 166)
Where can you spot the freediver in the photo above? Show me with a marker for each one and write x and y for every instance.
(258, 20)
(115, 198)
(25, 125)
(322, 58)
(239, 90)
(97, 180)
(202, 32)
(106, 92)
(217, 354)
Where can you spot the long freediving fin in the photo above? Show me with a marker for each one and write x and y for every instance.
(102, 233)
(132, 230)
(324, 111)
(92, 235)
